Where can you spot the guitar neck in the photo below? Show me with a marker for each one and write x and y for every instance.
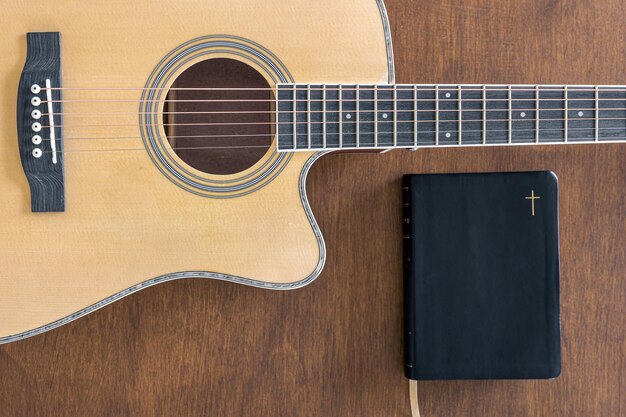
(330, 117)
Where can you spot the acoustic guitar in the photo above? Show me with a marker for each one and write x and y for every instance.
(150, 141)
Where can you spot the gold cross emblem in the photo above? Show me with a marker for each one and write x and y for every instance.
(532, 199)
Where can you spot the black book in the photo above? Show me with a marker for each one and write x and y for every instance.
(481, 277)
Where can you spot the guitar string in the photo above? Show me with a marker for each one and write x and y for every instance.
(465, 110)
(328, 122)
(333, 133)
(369, 87)
(345, 99)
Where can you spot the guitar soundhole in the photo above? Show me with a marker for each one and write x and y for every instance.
(218, 116)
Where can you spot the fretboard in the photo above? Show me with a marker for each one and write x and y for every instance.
(327, 117)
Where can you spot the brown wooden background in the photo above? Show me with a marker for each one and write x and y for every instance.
(198, 348)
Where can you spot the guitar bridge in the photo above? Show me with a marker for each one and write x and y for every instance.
(39, 122)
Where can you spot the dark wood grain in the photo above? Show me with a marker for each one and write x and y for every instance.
(44, 173)
(334, 348)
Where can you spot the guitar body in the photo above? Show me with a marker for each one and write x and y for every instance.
(128, 223)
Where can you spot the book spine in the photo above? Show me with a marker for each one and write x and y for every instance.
(409, 282)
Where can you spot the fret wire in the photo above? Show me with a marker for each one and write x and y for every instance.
(415, 115)
(536, 114)
(375, 115)
(308, 116)
(510, 115)
(324, 116)
(395, 116)
(597, 112)
(340, 117)
(484, 114)
(566, 113)
(295, 120)
(437, 115)
(358, 115)
(460, 112)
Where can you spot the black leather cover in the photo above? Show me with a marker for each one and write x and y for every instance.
(481, 276)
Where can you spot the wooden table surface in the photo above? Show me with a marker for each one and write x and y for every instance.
(334, 348)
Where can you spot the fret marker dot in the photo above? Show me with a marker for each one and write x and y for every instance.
(448, 135)
(448, 95)
(348, 116)
(581, 114)
(522, 114)
(385, 115)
